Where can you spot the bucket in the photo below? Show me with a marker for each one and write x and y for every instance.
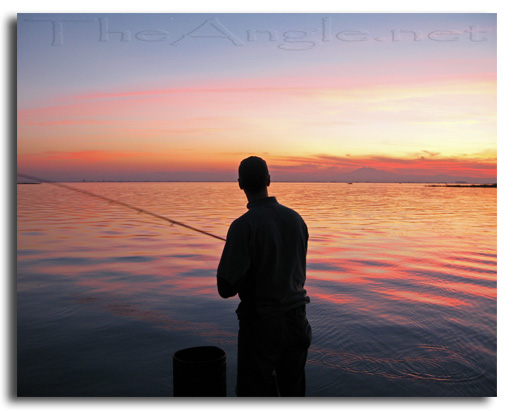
(200, 372)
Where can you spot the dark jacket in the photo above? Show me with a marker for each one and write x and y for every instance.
(264, 260)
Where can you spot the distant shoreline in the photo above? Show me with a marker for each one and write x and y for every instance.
(427, 183)
(465, 185)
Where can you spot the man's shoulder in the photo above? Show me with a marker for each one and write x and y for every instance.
(257, 214)
(241, 221)
(290, 211)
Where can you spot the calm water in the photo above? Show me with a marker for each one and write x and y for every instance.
(402, 280)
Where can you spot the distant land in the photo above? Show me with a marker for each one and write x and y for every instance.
(372, 175)
(465, 185)
(361, 175)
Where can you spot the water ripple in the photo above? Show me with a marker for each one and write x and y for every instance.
(425, 362)
(437, 363)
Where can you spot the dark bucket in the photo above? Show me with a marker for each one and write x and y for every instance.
(200, 372)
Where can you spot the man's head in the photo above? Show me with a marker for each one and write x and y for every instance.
(253, 175)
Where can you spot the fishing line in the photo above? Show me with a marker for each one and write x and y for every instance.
(121, 203)
(220, 330)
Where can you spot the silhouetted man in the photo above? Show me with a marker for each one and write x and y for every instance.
(264, 262)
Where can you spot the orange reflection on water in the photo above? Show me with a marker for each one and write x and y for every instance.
(335, 298)
(423, 298)
(469, 289)
(372, 237)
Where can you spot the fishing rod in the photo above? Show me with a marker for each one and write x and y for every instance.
(120, 203)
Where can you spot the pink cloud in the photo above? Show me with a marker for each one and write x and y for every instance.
(250, 96)
(304, 82)
(477, 166)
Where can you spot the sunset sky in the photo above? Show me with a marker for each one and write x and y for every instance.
(187, 96)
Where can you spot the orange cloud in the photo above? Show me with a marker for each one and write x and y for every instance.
(422, 163)
(283, 168)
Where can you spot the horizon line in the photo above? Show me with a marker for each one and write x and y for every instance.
(275, 181)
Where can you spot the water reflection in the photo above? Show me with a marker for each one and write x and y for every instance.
(402, 280)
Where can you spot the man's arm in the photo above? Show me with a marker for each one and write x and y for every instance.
(234, 262)
(225, 289)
